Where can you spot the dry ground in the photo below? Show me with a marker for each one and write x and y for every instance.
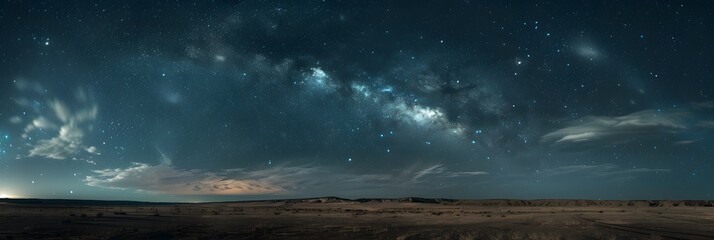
(352, 220)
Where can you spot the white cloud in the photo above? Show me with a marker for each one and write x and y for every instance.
(43, 123)
(706, 124)
(15, 120)
(24, 85)
(704, 105)
(61, 110)
(65, 145)
(92, 149)
(71, 126)
(439, 171)
(165, 178)
(168, 179)
(610, 171)
(165, 159)
(600, 130)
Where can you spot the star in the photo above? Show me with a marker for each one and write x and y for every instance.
(223, 90)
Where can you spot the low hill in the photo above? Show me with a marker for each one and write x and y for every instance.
(331, 199)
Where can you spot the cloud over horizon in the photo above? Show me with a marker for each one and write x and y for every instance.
(168, 179)
(164, 178)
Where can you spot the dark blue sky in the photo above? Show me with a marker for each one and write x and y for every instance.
(221, 100)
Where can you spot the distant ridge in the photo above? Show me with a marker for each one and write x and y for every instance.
(445, 201)
(75, 202)
(513, 202)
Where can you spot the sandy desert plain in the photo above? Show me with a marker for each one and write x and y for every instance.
(337, 218)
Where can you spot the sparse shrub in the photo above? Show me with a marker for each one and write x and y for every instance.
(601, 211)
(488, 215)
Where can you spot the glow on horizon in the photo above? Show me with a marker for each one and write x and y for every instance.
(5, 195)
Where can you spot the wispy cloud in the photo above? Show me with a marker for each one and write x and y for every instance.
(25, 85)
(440, 171)
(69, 123)
(610, 171)
(164, 178)
(15, 120)
(600, 130)
(68, 141)
(283, 179)
(704, 105)
(706, 124)
(686, 142)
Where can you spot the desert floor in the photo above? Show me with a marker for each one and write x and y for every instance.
(352, 220)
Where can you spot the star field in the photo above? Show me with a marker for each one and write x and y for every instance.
(217, 100)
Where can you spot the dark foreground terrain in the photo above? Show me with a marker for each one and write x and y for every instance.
(335, 218)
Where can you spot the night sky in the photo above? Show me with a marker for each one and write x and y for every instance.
(233, 100)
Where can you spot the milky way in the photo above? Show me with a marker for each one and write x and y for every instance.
(200, 101)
